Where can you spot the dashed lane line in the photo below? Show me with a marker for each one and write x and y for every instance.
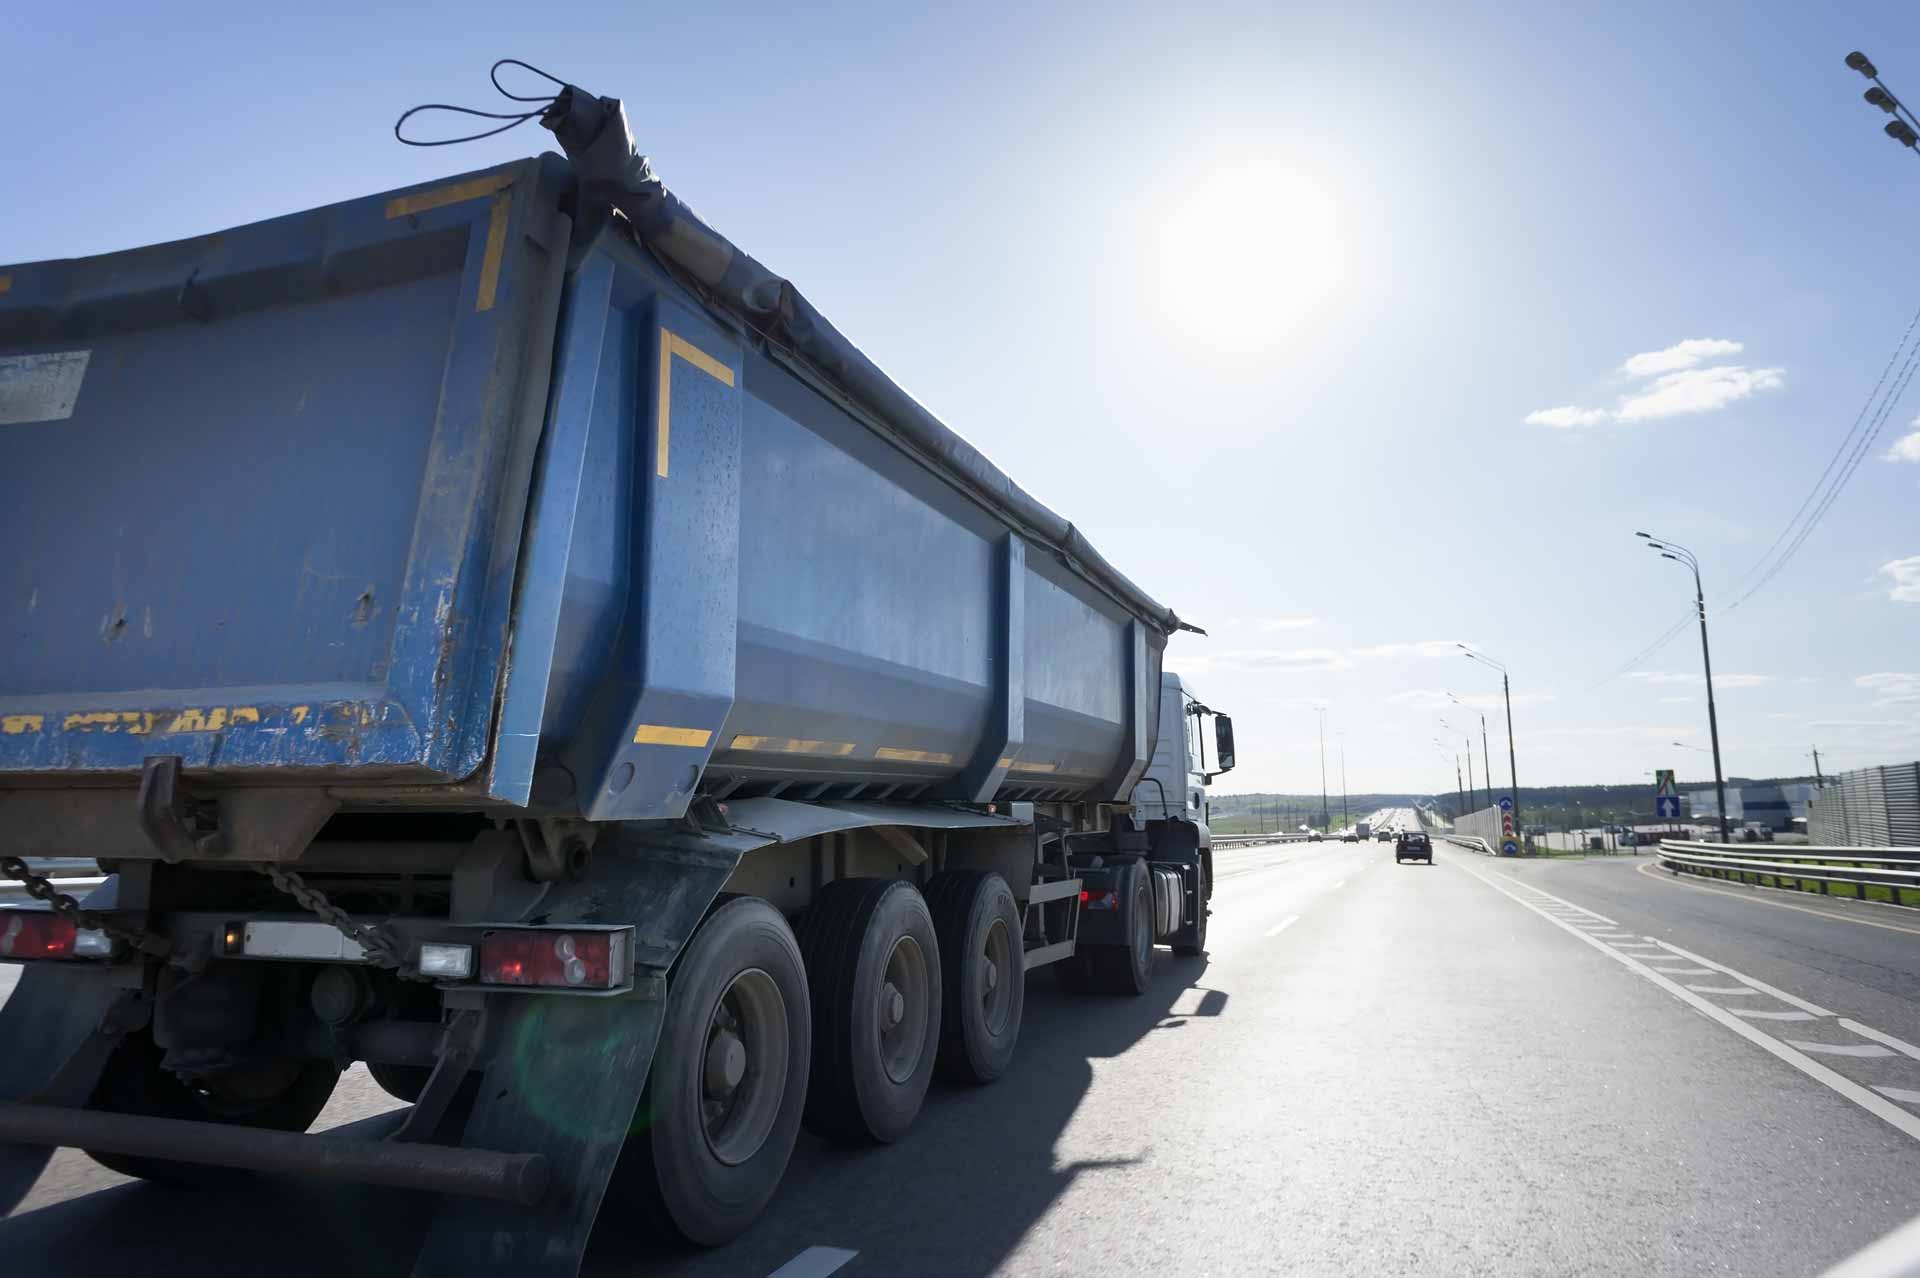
(1755, 1014)
(1283, 925)
(1647, 868)
(1866, 1099)
(1908, 1095)
(1789, 999)
(1867, 1031)
(1722, 989)
(1841, 1049)
(814, 1262)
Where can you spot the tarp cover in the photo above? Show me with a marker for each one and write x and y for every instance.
(597, 139)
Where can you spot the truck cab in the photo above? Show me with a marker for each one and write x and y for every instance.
(1173, 789)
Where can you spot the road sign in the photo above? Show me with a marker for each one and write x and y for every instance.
(1509, 848)
(1663, 782)
(1506, 803)
(1666, 807)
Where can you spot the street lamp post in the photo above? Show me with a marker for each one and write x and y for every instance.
(1458, 798)
(1485, 759)
(1471, 798)
(1506, 692)
(1681, 555)
(1326, 817)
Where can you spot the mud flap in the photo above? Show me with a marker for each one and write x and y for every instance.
(567, 1071)
(61, 1010)
(566, 1081)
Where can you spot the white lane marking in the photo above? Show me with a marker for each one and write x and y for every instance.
(1283, 925)
(1872, 1102)
(1592, 914)
(1675, 971)
(1780, 994)
(1754, 1014)
(1899, 1094)
(814, 1262)
(1840, 1049)
(1722, 989)
(1342, 883)
(1867, 1031)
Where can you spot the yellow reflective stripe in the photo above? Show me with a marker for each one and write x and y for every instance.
(660, 734)
(15, 724)
(671, 344)
(911, 756)
(496, 250)
(6, 282)
(790, 745)
(441, 196)
(1017, 766)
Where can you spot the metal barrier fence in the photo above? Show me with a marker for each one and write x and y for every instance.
(1868, 807)
(1483, 825)
(1896, 869)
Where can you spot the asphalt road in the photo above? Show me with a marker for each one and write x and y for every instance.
(1479, 1067)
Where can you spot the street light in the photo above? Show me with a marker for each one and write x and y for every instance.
(1486, 760)
(1506, 692)
(1469, 736)
(1901, 127)
(1681, 555)
(1326, 818)
(1456, 775)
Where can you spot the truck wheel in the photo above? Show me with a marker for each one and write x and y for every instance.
(873, 964)
(721, 1110)
(283, 1095)
(1193, 937)
(1128, 969)
(983, 973)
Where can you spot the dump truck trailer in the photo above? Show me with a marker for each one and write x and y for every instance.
(497, 631)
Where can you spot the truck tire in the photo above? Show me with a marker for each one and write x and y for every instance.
(1191, 940)
(721, 1111)
(281, 1095)
(983, 973)
(1128, 969)
(873, 965)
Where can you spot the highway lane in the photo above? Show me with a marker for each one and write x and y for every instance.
(1377, 1069)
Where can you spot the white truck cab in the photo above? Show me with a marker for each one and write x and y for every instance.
(1175, 783)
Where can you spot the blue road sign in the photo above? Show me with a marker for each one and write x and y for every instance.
(1506, 803)
(1666, 807)
(1509, 848)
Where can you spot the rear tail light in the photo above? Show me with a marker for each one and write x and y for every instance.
(1108, 900)
(42, 934)
(597, 960)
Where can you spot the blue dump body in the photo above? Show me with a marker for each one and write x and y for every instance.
(438, 498)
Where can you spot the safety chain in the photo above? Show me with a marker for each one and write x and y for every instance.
(381, 948)
(41, 888)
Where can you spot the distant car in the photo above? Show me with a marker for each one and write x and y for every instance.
(1314, 836)
(1385, 836)
(1349, 836)
(1413, 847)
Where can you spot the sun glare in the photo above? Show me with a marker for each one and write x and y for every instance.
(1249, 255)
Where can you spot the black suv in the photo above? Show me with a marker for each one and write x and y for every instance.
(1413, 846)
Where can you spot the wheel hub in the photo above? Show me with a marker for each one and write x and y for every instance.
(726, 1062)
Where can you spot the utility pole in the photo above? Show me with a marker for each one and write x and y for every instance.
(1686, 557)
(1345, 818)
(1513, 770)
(1819, 782)
(1326, 816)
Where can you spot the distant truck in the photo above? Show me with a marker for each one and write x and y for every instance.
(1363, 829)
(499, 632)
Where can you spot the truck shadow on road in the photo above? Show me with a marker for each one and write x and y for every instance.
(955, 1197)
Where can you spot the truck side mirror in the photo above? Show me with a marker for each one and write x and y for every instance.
(1223, 742)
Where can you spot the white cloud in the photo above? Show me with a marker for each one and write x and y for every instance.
(1699, 390)
(1680, 355)
(1567, 417)
(1907, 447)
(1891, 687)
(1685, 676)
(1680, 385)
(1271, 624)
(1906, 579)
(1326, 660)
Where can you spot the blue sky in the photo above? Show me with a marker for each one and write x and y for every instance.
(1261, 296)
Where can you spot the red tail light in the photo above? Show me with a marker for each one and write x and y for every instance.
(30, 934)
(599, 960)
(1108, 900)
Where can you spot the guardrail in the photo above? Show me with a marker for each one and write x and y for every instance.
(1895, 869)
(1470, 842)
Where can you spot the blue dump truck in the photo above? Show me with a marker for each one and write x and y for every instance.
(499, 632)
